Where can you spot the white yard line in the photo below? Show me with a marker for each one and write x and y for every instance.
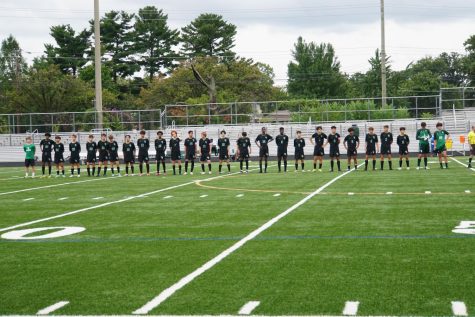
(98, 198)
(248, 308)
(167, 197)
(455, 160)
(165, 294)
(459, 309)
(276, 195)
(27, 199)
(52, 308)
(240, 195)
(203, 196)
(428, 192)
(351, 308)
(63, 198)
(51, 186)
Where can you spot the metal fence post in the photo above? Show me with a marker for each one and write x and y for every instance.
(417, 107)
(31, 125)
(74, 122)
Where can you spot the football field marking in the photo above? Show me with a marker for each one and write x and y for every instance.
(63, 198)
(203, 196)
(168, 292)
(467, 191)
(97, 198)
(351, 308)
(389, 193)
(27, 199)
(239, 195)
(276, 195)
(167, 197)
(248, 308)
(52, 308)
(459, 308)
(428, 192)
(465, 165)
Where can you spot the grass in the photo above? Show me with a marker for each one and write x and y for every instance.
(394, 253)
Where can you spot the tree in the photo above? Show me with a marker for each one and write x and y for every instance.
(315, 71)
(469, 61)
(70, 54)
(12, 63)
(209, 35)
(154, 41)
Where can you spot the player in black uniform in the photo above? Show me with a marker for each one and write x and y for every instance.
(46, 146)
(175, 152)
(243, 151)
(318, 140)
(74, 159)
(282, 141)
(128, 148)
(91, 148)
(299, 144)
(372, 147)
(334, 141)
(190, 152)
(386, 141)
(403, 143)
(113, 149)
(352, 143)
(262, 142)
(58, 156)
(143, 144)
(205, 151)
(223, 148)
(103, 154)
(160, 150)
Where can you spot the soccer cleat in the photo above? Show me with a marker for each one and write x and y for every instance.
(247, 172)
(191, 173)
(469, 166)
(314, 170)
(296, 171)
(210, 173)
(119, 175)
(71, 175)
(157, 174)
(202, 173)
(132, 175)
(418, 168)
(148, 174)
(49, 176)
(408, 168)
(79, 176)
(126, 175)
(56, 176)
(140, 174)
(320, 170)
(303, 171)
(185, 173)
(399, 168)
(427, 168)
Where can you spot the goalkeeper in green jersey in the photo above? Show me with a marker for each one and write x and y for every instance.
(423, 135)
(29, 149)
(440, 136)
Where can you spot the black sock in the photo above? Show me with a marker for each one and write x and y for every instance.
(93, 170)
(118, 169)
(127, 170)
(202, 167)
(241, 164)
(470, 161)
(260, 165)
(220, 168)
(247, 165)
(229, 167)
(140, 168)
(382, 165)
(62, 171)
(320, 166)
(303, 166)
(285, 166)
(296, 166)
(349, 166)
(265, 166)
(390, 165)
(105, 171)
(441, 166)
(366, 164)
(174, 170)
(332, 164)
(49, 170)
(158, 167)
(446, 165)
(163, 167)
(338, 164)
(209, 167)
(99, 170)
(314, 166)
(88, 171)
(425, 161)
(186, 167)
(132, 168)
(148, 168)
(279, 164)
(72, 171)
(79, 171)
(112, 170)
(192, 166)
(43, 168)
(179, 169)
(418, 162)
(400, 163)
(407, 163)
(57, 172)
(374, 164)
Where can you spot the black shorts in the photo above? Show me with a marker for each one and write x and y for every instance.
(129, 159)
(113, 156)
(385, 150)
(74, 160)
(46, 157)
(143, 157)
(299, 155)
(103, 157)
(58, 159)
(263, 151)
(176, 156)
(223, 156)
(472, 149)
(440, 151)
(282, 153)
(160, 156)
(424, 148)
(190, 156)
(29, 162)
(205, 157)
(243, 154)
(370, 151)
(352, 152)
(334, 152)
(403, 150)
(318, 151)
(91, 158)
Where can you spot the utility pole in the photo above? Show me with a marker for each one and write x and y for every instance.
(383, 58)
(97, 64)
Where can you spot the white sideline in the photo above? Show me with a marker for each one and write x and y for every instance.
(459, 309)
(111, 203)
(454, 159)
(202, 316)
(52, 308)
(248, 308)
(351, 308)
(54, 185)
(165, 294)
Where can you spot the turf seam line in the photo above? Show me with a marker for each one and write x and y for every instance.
(249, 307)
(52, 308)
(168, 292)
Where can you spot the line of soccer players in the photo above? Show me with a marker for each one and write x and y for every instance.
(106, 151)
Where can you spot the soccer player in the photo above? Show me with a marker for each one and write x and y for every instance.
(74, 159)
(299, 144)
(103, 154)
(113, 149)
(29, 148)
(176, 153)
(128, 148)
(46, 146)
(91, 148)
(262, 142)
(143, 144)
(282, 141)
(160, 150)
(372, 147)
(352, 143)
(403, 143)
(58, 156)
(471, 143)
(205, 150)
(386, 141)
(334, 140)
(318, 140)
(439, 144)
(423, 135)
(243, 151)
(190, 152)
(223, 148)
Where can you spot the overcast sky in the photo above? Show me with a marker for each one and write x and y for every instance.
(267, 29)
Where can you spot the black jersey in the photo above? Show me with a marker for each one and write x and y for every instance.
(58, 148)
(175, 145)
(223, 144)
(386, 139)
(243, 143)
(160, 145)
(143, 145)
(403, 140)
(102, 146)
(47, 146)
(112, 147)
(334, 140)
(91, 148)
(371, 140)
(128, 149)
(190, 145)
(75, 149)
(319, 139)
(351, 141)
(264, 139)
(299, 144)
(205, 146)
(282, 141)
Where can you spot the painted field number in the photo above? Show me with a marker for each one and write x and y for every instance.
(465, 227)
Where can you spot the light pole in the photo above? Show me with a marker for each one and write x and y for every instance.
(97, 64)
(383, 58)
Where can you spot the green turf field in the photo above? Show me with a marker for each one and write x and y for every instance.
(383, 239)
